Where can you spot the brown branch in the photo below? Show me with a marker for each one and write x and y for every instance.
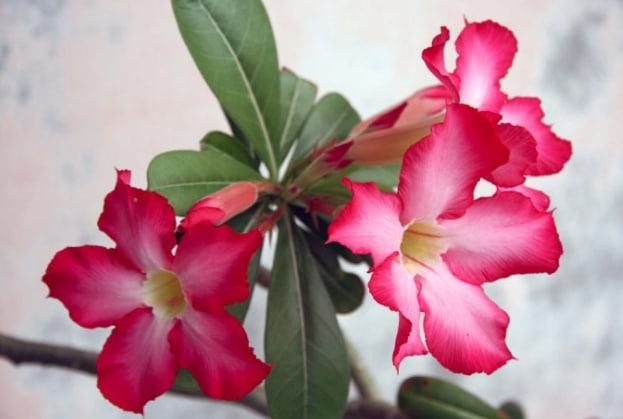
(19, 351)
(372, 409)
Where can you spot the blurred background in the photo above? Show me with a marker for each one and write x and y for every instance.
(87, 86)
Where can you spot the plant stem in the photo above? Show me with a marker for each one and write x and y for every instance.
(361, 376)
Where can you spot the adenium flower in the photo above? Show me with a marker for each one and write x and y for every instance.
(433, 244)
(168, 310)
(485, 53)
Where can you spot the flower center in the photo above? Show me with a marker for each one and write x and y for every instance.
(422, 244)
(163, 292)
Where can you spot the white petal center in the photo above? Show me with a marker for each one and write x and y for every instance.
(162, 291)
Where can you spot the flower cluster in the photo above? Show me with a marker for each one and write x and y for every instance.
(434, 242)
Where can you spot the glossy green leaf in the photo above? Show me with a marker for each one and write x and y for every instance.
(345, 289)
(432, 398)
(184, 176)
(297, 100)
(233, 46)
(331, 118)
(228, 145)
(310, 374)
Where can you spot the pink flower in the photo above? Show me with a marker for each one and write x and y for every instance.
(485, 54)
(433, 245)
(168, 310)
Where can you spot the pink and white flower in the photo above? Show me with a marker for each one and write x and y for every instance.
(433, 244)
(168, 309)
(485, 53)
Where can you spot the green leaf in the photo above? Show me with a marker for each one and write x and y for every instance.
(386, 176)
(432, 398)
(345, 289)
(233, 46)
(297, 100)
(185, 176)
(185, 380)
(331, 118)
(227, 144)
(512, 410)
(310, 374)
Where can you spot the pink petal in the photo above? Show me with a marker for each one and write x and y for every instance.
(523, 153)
(392, 286)
(369, 222)
(465, 330)
(136, 364)
(142, 224)
(382, 121)
(424, 105)
(539, 199)
(97, 285)
(388, 146)
(211, 264)
(410, 121)
(553, 152)
(220, 206)
(501, 236)
(485, 53)
(434, 58)
(440, 172)
(215, 349)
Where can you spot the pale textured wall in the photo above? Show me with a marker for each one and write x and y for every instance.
(90, 85)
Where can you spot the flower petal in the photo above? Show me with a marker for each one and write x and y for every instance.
(97, 285)
(392, 286)
(553, 152)
(419, 113)
(523, 153)
(500, 236)
(485, 53)
(136, 364)
(440, 172)
(142, 224)
(369, 222)
(221, 205)
(382, 121)
(539, 199)
(424, 105)
(211, 264)
(215, 349)
(434, 58)
(465, 330)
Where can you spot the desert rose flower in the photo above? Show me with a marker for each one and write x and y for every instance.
(433, 244)
(168, 310)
